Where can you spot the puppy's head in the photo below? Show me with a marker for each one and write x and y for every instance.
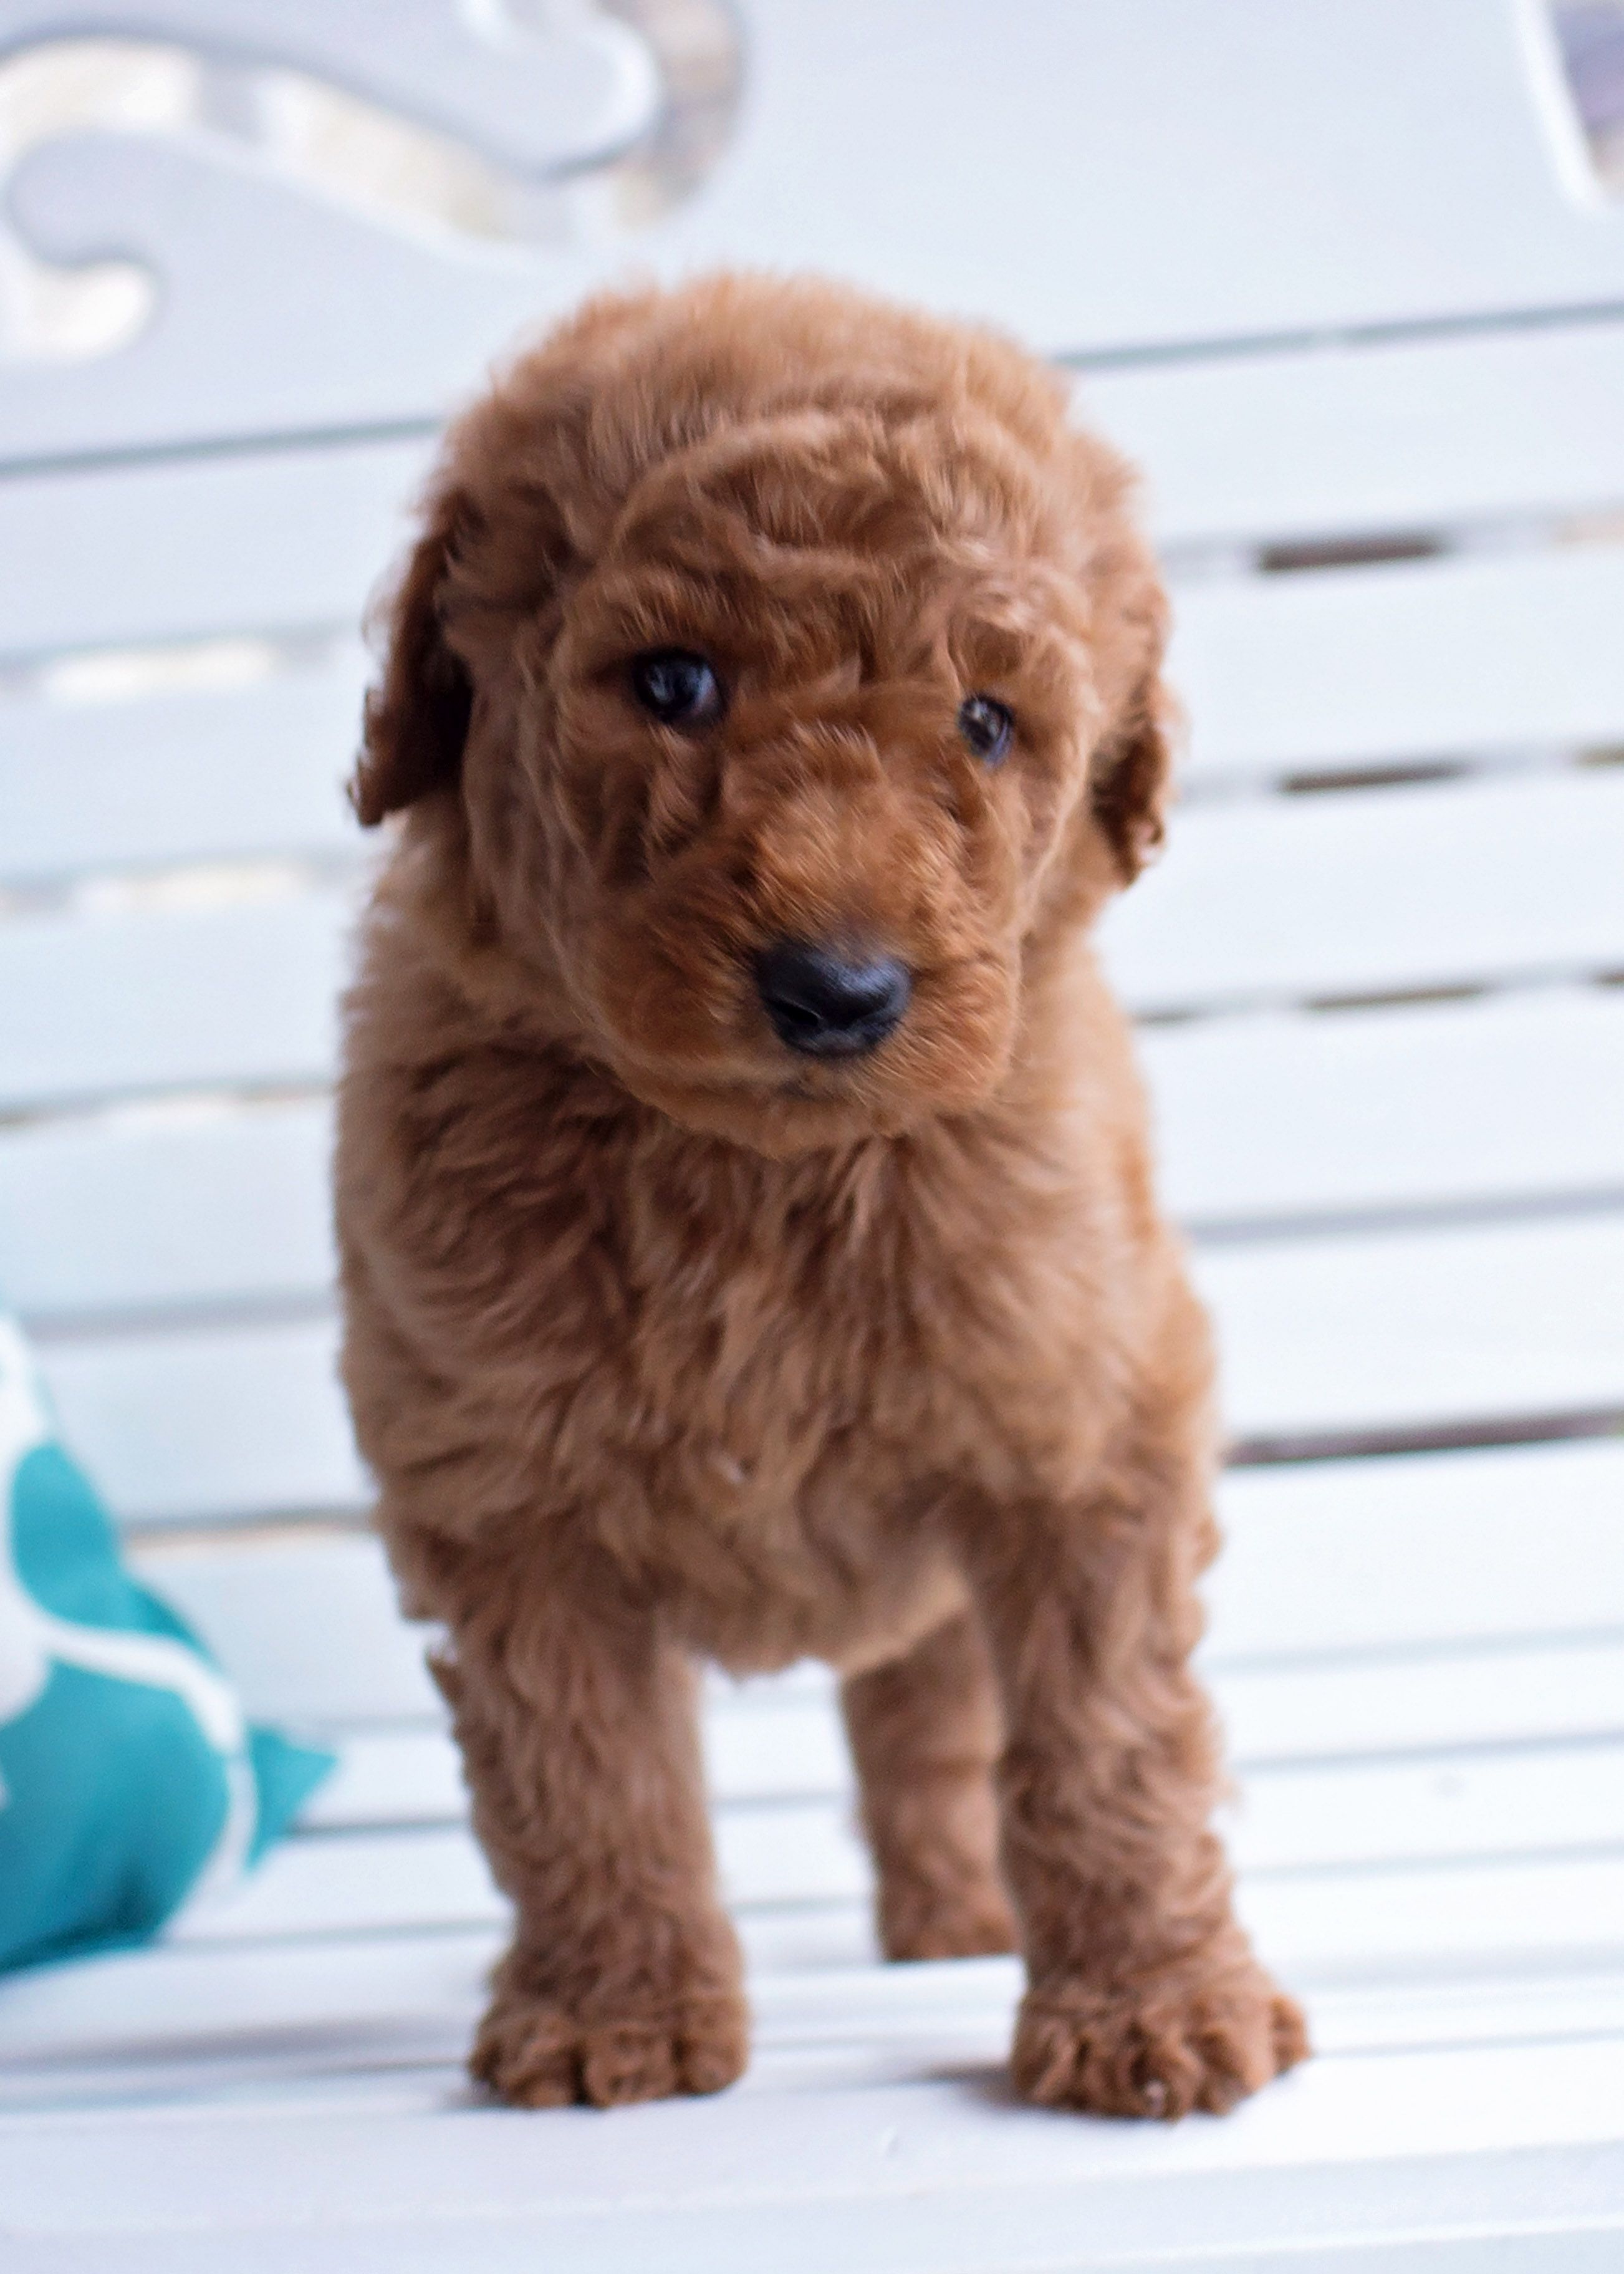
(782, 670)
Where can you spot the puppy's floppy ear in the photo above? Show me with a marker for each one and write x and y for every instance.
(1132, 775)
(1132, 772)
(417, 722)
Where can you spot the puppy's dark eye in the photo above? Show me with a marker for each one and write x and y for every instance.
(677, 687)
(987, 726)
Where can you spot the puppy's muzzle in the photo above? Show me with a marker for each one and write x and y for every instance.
(826, 1005)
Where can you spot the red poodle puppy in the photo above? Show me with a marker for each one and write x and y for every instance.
(750, 1250)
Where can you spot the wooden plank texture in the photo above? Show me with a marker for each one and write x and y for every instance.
(204, 774)
(1413, 660)
(176, 1204)
(1517, 1546)
(1385, 890)
(1404, 1331)
(1504, 1102)
(788, 1745)
(1409, 1213)
(176, 997)
(1459, 1897)
(1225, 201)
(1276, 901)
(196, 1422)
(173, 2021)
(1298, 673)
(1328, 438)
(157, 552)
(1508, 1097)
(1401, 437)
(920, 2174)
(1412, 1329)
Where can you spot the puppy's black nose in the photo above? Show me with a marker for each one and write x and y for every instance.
(827, 1006)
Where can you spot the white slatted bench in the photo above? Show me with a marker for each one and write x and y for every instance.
(1329, 273)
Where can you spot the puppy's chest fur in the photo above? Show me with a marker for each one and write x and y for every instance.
(766, 1380)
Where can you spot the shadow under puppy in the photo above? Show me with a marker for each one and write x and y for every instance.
(748, 1243)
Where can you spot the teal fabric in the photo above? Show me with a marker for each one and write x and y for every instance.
(130, 1782)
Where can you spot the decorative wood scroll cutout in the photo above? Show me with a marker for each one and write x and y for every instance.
(538, 124)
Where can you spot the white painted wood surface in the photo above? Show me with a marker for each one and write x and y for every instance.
(1357, 1337)
(1390, 1106)
(205, 979)
(1458, 197)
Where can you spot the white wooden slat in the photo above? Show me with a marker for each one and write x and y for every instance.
(1415, 659)
(205, 774)
(1436, 1104)
(1228, 201)
(1407, 436)
(1278, 672)
(1322, 1818)
(174, 2023)
(1515, 1915)
(1411, 1329)
(1276, 900)
(195, 1423)
(1407, 1924)
(1517, 2223)
(376, 1882)
(389, 1777)
(1439, 1700)
(1515, 1543)
(172, 997)
(1274, 1116)
(1285, 1820)
(1282, 673)
(1394, 1914)
(791, 1747)
(1439, 2141)
(1356, 1815)
(305, 1619)
(873, 2002)
(420, 1990)
(1380, 891)
(279, 542)
(1374, 436)
(1292, 672)
(1506, 1554)
(180, 1202)
(1406, 1330)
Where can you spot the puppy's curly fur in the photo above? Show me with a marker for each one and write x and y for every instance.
(667, 1340)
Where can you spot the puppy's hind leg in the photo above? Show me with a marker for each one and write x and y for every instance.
(924, 1732)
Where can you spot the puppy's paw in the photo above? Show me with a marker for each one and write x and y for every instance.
(935, 1923)
(535, 2055)
(1175, 2041)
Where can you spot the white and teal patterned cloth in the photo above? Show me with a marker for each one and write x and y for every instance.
(130, 1782)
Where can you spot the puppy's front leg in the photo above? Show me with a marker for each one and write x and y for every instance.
(577, 1724)
(1143, 1996)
